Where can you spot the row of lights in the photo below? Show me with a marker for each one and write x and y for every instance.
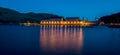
(63, 22)
(114, 23)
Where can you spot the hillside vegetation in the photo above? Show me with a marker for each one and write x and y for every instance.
(11, 16)
(114, 18)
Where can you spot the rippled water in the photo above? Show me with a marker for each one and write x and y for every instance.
(59, 40)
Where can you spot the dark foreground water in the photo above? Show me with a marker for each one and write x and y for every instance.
(59, 40)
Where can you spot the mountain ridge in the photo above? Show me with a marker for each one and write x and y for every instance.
(12, 16)
(113, 18)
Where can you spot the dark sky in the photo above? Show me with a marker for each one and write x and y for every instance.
(81, 8)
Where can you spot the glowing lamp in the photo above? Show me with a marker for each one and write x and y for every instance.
(81, 22)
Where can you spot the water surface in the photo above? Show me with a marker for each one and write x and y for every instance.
(59, 40)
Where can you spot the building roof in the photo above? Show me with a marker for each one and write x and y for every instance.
(72, 19)
(53, 19)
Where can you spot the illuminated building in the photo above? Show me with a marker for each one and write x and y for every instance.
(54, 20)
(67, 21)
(73, 20)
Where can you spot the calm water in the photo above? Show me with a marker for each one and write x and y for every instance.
(59, 40)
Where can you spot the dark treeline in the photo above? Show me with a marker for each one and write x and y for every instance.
(114, 18)
(11, 16)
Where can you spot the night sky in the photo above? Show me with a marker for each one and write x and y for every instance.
(80, 8)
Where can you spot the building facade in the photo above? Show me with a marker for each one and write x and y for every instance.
(62, 21)
(49, 21)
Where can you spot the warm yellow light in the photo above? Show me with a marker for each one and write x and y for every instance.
(52, 22)
(82, 22)
(65, 22)
(68, 22)
(74, 22)
(57, 22)
(78, 22)
(27, 24)
(61, 22)
(49, 22)
(71, 22)
(44, 22)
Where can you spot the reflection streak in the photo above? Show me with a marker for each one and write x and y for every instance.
(61, 39)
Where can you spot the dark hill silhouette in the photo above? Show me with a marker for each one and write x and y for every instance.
(11, 16)
(114, 18)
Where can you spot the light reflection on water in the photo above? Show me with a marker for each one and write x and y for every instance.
(68, 40)
(61, 39)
